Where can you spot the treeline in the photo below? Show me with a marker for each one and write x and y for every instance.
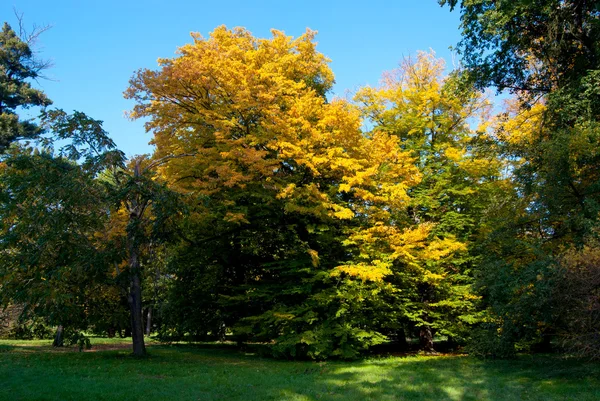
(272, 213)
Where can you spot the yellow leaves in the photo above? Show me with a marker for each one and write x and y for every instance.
(253, 110)
(255, 114)
(236, 218)
(478, 167)
(375, 271)
(407, 243)
(440, 249)
(314, 257)
(522, 126)
(287, 191)
(471, 297)
(343, 213)
(454, 154)
(284, 316)
(411, 248)
(433, 278)
(382, 173)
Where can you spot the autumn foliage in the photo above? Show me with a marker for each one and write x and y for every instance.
(273, 212)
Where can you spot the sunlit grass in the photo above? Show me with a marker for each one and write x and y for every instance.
(32, 371)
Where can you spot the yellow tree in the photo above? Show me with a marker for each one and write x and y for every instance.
(270, 148)
(429, 264)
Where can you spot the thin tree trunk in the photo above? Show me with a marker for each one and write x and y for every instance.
(149, 321)
(58, 337)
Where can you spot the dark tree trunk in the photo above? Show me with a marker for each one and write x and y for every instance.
(149, 321)
(136, 207)
(426, 339)
(545, 345)
(135, 305)
(401, 340)
(451, 344)
(58, 337)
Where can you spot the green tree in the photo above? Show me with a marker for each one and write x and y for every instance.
(51, 209)
(525, 46)
(18, 67)
(432, 116)
(149, 208)
(547, 53)
(281, 178)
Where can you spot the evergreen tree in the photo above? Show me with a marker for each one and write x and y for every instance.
(18, 67)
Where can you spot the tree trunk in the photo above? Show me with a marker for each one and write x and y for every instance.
(426, 339)
(450, 343)
(58, 337)
(136, 207)
(149, 321)
(401, 340)
(135, 305)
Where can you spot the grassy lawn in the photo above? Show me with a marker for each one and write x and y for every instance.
(31, 370)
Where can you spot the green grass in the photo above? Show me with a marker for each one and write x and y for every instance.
(31, 370)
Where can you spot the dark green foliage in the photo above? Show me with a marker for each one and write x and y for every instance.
(47, 228)
(546, 48)
(532, 46)
(51, 210)
(544, 51)
(18, 66)
(31, 329)
(575, 298)
(259, 282)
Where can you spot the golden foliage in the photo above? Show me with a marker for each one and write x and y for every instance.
(521, 126)
(254, 112)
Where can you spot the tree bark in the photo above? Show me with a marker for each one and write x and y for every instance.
(135, 306)
(149, 321)
(58, 337)
(136, 207)
(426, 339)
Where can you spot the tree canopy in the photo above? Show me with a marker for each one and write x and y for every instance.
(273, 212)
(18, 67)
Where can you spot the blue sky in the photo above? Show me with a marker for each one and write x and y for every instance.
(96, 46)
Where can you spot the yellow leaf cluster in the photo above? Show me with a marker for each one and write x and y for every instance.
(374, 271)
(521, 126)
(254, 112)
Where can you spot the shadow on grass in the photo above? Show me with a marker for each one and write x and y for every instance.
(221, 371)
(411, 378)
(6, 348)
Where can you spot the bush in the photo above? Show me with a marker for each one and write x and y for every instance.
(487, 341)
(31, 330)
(73, 337)
(577, 297)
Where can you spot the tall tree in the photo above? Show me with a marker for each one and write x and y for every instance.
(281, 178)
(431, 115)
(548, 54)
(148, 207)
(51, 208)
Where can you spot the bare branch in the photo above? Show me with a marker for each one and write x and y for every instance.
(31, 38)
